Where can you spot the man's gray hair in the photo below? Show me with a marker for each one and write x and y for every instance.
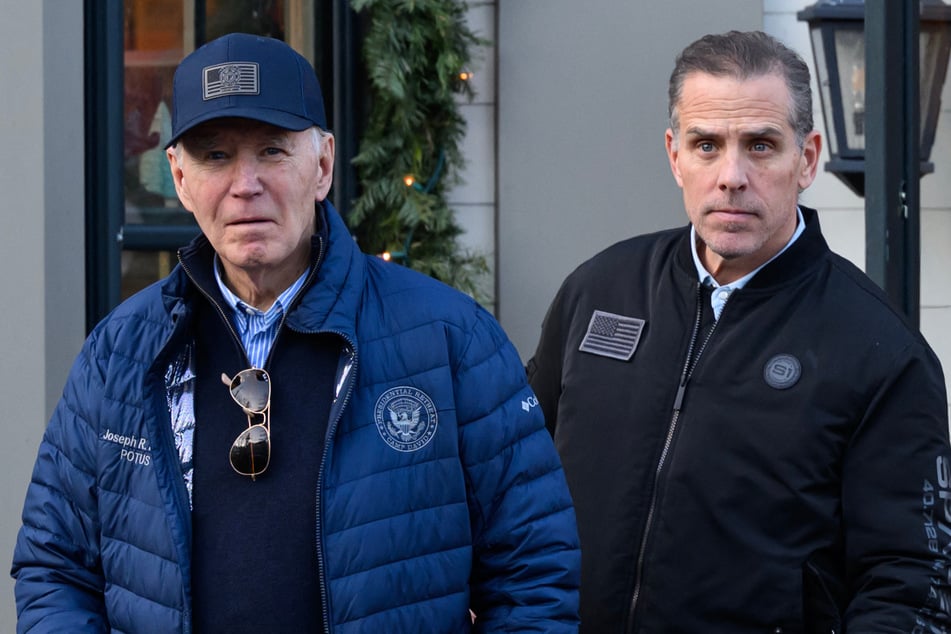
(744, 55)
(317, 135)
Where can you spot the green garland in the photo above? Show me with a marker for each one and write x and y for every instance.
(416, 53)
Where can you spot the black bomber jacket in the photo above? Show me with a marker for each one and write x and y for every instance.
(784, 469)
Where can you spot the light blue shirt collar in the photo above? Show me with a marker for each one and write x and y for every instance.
(257, 329)
(718, 297)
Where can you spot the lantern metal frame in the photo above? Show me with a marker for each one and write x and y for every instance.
(831, 22)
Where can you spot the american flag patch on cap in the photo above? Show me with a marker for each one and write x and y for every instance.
(233, 78)
(611, 335)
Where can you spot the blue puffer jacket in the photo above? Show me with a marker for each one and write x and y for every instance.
(476, 514)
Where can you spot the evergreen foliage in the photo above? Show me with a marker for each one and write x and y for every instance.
(415, 52)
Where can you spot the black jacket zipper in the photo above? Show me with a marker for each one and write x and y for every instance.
(690, 363)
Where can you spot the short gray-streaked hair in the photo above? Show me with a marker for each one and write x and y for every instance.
(317, 135)
(744, 55)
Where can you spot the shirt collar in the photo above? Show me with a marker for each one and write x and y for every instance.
(707, 279)
(241, 311)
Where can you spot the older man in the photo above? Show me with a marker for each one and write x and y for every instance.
(286, 435)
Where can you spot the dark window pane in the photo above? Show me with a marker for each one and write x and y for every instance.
(141, 268)
(260, 17)
(154, 44)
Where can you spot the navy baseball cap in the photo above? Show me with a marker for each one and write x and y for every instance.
(249, 76)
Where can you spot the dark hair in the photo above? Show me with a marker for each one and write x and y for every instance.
(744, 55)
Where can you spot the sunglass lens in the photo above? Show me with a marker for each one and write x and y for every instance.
(251, 451)
(251, 389)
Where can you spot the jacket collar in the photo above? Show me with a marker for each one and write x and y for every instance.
(333, 298)
(801, 256)
(330, 299)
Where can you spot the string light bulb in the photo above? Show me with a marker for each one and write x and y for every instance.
(410, 181)
(465, 75)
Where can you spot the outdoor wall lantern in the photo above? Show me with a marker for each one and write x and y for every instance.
(838, 44)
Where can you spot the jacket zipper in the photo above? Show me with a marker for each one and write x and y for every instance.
(690, 363)
(221, 312)
(345, 376)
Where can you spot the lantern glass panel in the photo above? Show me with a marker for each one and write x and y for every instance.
(933, 59)
(930, 45)
(825, 87)
(850, 57)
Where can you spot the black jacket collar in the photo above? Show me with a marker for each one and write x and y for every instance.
(798, 259)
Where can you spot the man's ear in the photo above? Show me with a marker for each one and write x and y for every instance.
(673, 150)
(325, 165)
(178, 177)
(809, 162)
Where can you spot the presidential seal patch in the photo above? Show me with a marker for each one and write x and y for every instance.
(406, 418)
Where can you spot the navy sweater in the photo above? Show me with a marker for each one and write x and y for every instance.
(254, 557)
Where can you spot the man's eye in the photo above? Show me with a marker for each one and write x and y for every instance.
(759, 146)
(705, 146)
(273, 151)
(215, 155)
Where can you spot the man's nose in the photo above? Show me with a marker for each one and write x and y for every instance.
(246, 181)
(733, 171)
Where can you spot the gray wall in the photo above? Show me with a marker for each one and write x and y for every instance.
(582, 110)
(41, 246)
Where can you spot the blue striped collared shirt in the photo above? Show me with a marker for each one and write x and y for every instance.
(258, 329)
